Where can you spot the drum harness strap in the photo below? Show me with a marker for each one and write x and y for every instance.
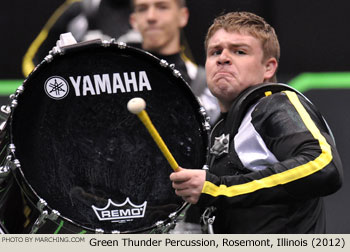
(233, 120)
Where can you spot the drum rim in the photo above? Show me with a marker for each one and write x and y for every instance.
(19, 175)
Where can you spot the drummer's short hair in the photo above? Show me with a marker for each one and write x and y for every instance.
(181, 3)
(249, 23)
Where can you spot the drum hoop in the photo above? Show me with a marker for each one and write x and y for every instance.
(19, 176)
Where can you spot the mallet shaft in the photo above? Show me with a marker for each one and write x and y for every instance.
(143, 116)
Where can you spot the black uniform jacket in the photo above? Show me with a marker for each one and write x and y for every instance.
(280, 163)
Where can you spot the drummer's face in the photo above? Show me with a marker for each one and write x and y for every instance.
(235, 61)
(159, 22)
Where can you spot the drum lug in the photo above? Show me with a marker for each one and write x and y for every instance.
(54, 215)
(16, 163)
(6, 168)
(162, 228)
(14, 103)
(164, 63)
(55, 50)
(41, 204)
(19, 90)
(173, 215)
(121, 45)
(99, 231)
(206, 124)
(4, 172)
(5, 109)
(159, 224)
(7, 164)
(11, 165)
(11, 149)
(106, 43)
(4, 115)
(203, 112)
(176, 73)
(49, 58)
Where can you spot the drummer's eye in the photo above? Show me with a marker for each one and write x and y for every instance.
(240, 52)
(216, 52)
(162, 6)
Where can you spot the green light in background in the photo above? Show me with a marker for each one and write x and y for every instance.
(8, 87)
(325, 80)
(303, 82)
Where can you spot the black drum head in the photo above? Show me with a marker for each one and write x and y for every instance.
(86, 155)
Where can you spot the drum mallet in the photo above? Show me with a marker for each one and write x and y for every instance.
(137, 106)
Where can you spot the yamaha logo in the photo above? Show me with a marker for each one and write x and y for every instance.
(107, 83)
(124, 212)
(56, 87)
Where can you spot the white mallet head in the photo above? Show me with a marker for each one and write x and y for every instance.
(136, 105)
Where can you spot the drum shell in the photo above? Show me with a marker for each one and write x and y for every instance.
(81, 150)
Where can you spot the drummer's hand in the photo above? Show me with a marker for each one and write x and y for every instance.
(188, 183)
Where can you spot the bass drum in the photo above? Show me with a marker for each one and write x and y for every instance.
(78, 162)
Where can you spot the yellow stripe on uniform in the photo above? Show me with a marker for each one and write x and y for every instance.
(284, 177)
(27, 64)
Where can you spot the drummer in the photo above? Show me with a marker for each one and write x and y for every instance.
(269, 175)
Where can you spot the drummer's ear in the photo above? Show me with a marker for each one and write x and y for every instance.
(133, 22)
(183, 17)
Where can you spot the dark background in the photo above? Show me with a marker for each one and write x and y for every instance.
(20, 23)
(313, 34)
(314, 37)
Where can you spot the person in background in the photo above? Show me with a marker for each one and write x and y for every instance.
(160, 24)
(268, 170)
